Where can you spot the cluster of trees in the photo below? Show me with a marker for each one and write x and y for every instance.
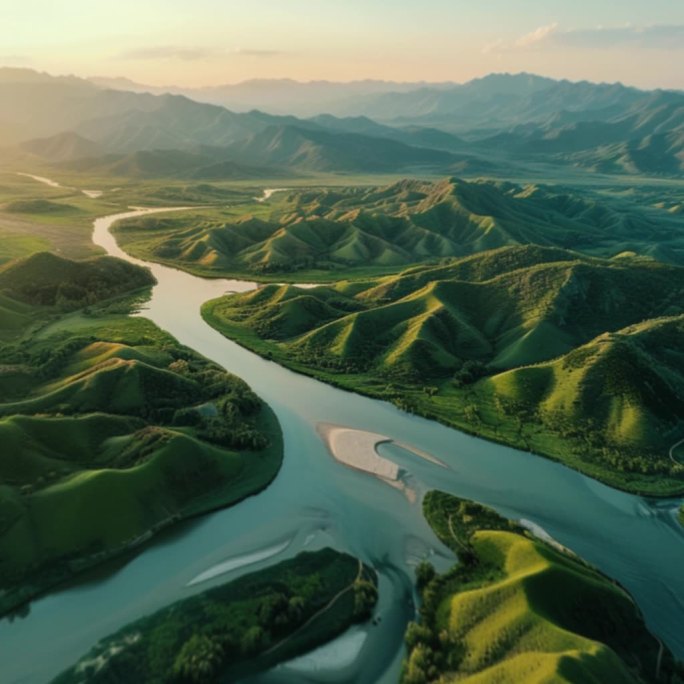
(196, 640)
(469, 373)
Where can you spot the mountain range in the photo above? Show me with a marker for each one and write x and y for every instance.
(481, 126)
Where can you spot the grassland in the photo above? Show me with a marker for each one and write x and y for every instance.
(323, 234)
(572, 357)
(516, 609)
(238, 628)
(110, 429)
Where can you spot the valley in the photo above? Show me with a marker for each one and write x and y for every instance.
(257, 368)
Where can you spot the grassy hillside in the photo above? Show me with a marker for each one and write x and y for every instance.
(573, 357)
(518, 609)
(359, 230)
(45, 279)
(247, 625)
(43, 285)
(110, 429)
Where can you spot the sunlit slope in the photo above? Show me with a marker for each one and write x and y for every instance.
(570, 356)
(404, 223)
(628, 386)
(110, 430)
(516, 609)
(112, 435)
(508, 307)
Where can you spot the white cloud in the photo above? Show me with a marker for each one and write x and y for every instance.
(189, 54)
(662, 37)
(15, 60)
(539, 35)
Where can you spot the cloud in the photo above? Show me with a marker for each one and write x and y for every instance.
(259, 53)
(189, 54)
(662, 37)
(539, 35)
(15, 60)
(658, 37)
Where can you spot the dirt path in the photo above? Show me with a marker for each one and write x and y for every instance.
(319, 612)
(672, 450)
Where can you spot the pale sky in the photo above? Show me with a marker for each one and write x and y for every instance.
(208, 42)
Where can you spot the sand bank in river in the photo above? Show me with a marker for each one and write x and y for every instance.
(358, 449)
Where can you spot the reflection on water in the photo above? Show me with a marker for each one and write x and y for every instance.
(317, 501)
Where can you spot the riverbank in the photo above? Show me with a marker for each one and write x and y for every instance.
(108, 446)
(239, 628)
(443, 409)
(517, 608)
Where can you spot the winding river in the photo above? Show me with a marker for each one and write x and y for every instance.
(317, 501)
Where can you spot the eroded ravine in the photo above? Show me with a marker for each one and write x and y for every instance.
(317, 501)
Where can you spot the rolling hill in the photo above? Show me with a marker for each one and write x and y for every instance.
(384, 228)
(110, 429)
(35, 288)
(517, 609)
(45, 279)
(538, 347)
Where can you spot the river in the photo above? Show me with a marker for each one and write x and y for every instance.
(317, 501)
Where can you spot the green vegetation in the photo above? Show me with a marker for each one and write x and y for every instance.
(246, 625)
(516, 609)
(110, 429)
(38, 206)
(36, 288)
(354, 232)
(573, 357)
(35, 217)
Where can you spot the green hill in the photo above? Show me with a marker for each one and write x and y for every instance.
(36, 288)
(518, 609)
(39, 206)
(45, 279)
(517, 344)
(110, 435)
(360, 230)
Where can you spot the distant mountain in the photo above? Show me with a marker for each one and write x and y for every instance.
(277, 96)
(200, 163)
(498, 101)
(62, 147)
(646, 137)
(318, 150)
(501, 119)
(411, 135)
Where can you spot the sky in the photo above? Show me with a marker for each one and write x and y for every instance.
(209, 42)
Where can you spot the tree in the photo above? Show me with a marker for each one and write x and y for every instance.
(425, 572)
(253, 640)
(199, 660)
